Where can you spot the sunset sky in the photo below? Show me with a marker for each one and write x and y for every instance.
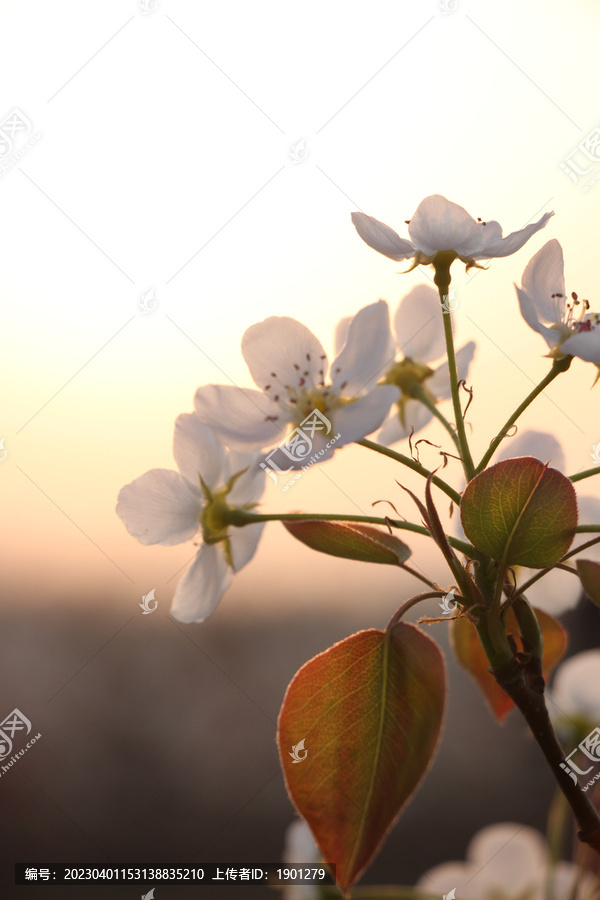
(164, 162)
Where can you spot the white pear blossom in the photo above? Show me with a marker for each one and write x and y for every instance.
(439, 225)
(300, 850)
(419, 333)
(558, 591)
(566, 324)
(509, 861)
(167, 507)
(575, 693)
(290, 367)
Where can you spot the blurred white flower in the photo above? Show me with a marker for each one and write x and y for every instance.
(419, 333)
(167, 507)
(508, 861)
(575, 693)
(566, 325)
(439, 225)
(558, 591)
(300, 849)
(290, 366)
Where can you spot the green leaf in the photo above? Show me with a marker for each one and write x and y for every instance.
(368, 711)
(471, 655)
(352, 540)
(520, 511)
(589, 573)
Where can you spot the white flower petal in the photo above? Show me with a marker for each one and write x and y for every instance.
(540, 444)
(341, 333)
(492, 231)
(160, 507)
(300, 844)
(300, 849)
(508, 847)
(368, 350)
(199, 591)
(448, 876)
(250, 486)
(381, 237)
(243, 419)
(544, 276)
(243, 543)
(529, 312)
(356, 420)
(419, 326)
(438, 224)
(439, 382)
(514, 241)
(197, 451)
(585, 345)
(415, 415)
(282, 352)
(556, 593)
(576, 687)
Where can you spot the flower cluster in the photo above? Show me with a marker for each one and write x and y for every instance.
(520, 520)
(379, 381)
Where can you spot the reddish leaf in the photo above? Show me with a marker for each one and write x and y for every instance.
(589, 573)
(369, 711)
(522, 511)
(352, 540)
(471, 655)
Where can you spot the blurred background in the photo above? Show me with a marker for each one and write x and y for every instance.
(207, 158)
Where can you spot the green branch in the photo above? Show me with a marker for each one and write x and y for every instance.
(558, 367)
(587, 474)
(414, 465)
(241, 517)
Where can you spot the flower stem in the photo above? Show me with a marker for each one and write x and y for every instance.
(422, 397)
(587, 474)
(429, 595)
(541, 572)
(240, 517)
(414, 465)
(558, 366)
(442, 281)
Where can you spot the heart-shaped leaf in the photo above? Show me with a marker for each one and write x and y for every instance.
(471, 655)
(369, 710)
(352, 540)
(520, 511)
(589, 573)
